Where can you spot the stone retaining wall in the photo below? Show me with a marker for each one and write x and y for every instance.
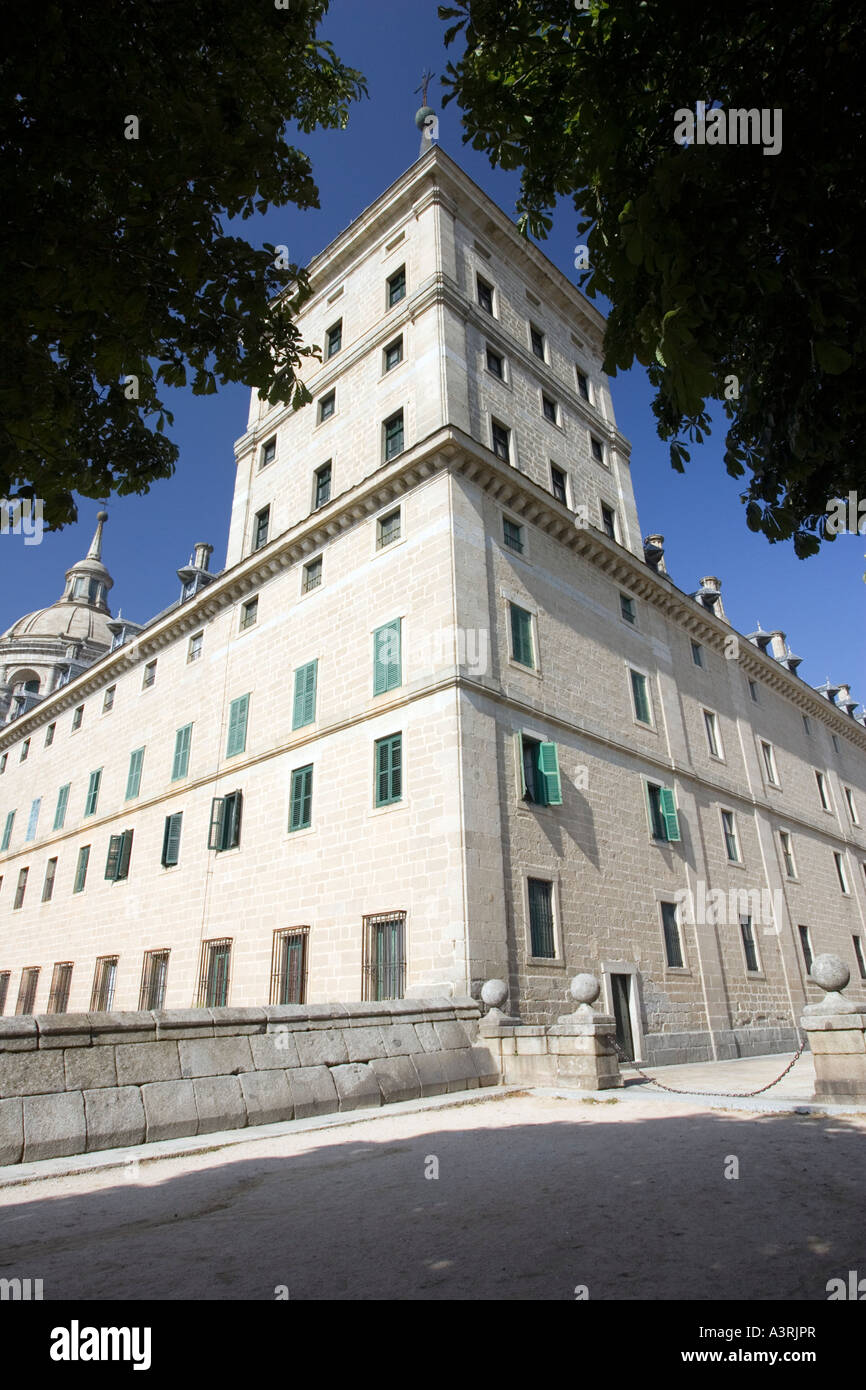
(74, 1083)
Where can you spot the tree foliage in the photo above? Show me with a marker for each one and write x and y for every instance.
(719, 261)
(117, 261)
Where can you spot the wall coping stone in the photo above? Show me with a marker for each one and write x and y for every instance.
(825, 1023)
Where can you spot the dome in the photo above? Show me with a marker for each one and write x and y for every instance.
(65, 620)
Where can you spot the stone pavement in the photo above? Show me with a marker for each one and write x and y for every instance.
(742, 1074)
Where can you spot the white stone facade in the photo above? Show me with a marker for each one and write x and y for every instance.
(455, 851)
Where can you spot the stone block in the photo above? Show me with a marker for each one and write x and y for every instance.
(486, 1066)
(428, 1037)
(267, 1097)
(451, 1034)
(31, 1073)
(237, 1021)
(11, 1131)
(219, 1103)
(18, 1034)
(313, 1091)
(169, 1110)
(54, 1126)
(274, 1050)
(177, 1024)
(329, 1011)
(115, 1026)
(63, 1030)
(214, 1056)
(88, 1068)
(530, 1046)
(850, 1041)
(323, 1048)
(432, 1072)
(285, 1014)
(400, 1039)
(357, 1086)
(397, 1078)
(114, 1117)
(363, 1043)
(138, 1063)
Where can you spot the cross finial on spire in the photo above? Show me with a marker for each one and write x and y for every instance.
(426, 78)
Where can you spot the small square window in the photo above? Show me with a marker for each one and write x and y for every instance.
(334, 339)
(485, 295)
(323, 485)
(396, 287)
(149, 677)
(697, 654)
(597, 449)
(394, 354)
(249, 613)
(195, 645)
(513, 535)
(536, 338)
(388, 529)
(268, 452)
(312, 575)
(608, 521)
(108, 699)
(327, 406)
(77, 717)
(260, 528)
(558, 484)
(582, 385)
(550, 409)
(627, 608)
(501, 441)
(495, 364)
(394, 438)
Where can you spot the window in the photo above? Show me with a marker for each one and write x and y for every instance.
(195, 646)
(608, 521)
(835, 738)
(495, 364)
(61, 982)
(582, 384)
(539, 769)
(787, 854)
(712, 728)
(236, 741)
(81, 869)
(768, 753)
(393, 354)
(268, 452)
(389, 769)
(729, 830)
(27, 990)
(640, 697)
(5, 757)
(558, 484)
(387, 657)
(119, 851)
(806, 947)
(842, 876)
(60, 808)
(20, 889)
(334, 339)
(536, 339)
(697, 654)
(249, 613)
(171, 840)
(327, 406)
(852, 809)
(550, 409)
(753, 691)
(596, 448)
(822, 790)
(323, 485)
(671, 932)
(396, 287)
(501, 441)
(260, 528)
(77, 717)
(33, 819)
(48, 882)
(750, 950)
(104, 981)
(133, 776)
(149, 677)
(521, 636)
(627, 608)
(664, 820)
(180, 763)
(858, 954)
(25, 751)
(393, 431)
(215, 974)
(384, 967)
(93, 785)
(108, 699)
(289, 966)
(807, 726)
(512, 535)
(485, 295)
(5, 977)
(304, 704)
(225, 822)
(388, 529)
(541, 935)
(312, 576)
(154, 974)
(301, 798)
(7, 830)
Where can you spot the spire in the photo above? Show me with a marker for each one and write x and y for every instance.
(95, 551)
(425, 117)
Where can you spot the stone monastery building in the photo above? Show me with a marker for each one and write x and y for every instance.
(443, 715)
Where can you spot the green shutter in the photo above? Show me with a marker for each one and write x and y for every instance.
(548, 774)
(182, 741)
(125, 852)
(113, 859)
(62, 801)
(7, 830)
(216, 816)
(81, 868)
(521, 636)
(93, 792)
(669, 813)
(389, 769)
(231, 823)
(641, 697)
(133, 780)
(171, 839)
(237, 739)
(300, 817)
(387, 657)
(304, 711)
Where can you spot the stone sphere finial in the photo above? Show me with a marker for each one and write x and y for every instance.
(832, 974)
(494, 993)
(585, 988)
(422, 115)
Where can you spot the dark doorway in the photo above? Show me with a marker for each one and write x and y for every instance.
(620, 986)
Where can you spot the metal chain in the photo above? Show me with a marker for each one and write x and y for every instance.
(730, 1095)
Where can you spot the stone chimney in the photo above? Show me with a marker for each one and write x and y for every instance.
(845, 700)
(710, 595)
(195, 575)
(654, 553)
(759, 637)
(778, 647)
(201, 555)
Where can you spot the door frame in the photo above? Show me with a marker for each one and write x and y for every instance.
(624, 967)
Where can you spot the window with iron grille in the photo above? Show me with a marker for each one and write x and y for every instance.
(335, 339)
(512, 534)
(260, 528)
(806, 947)
(388, 529)
(501, 436)
(485, 295)
(225, 822)
(104, 981)
(171, 840)
(389, 769)
(384, 966)
(671, 931)
(750, 950)
(301, 798)
(154, 973)
(312, 575)
(92, 799)
(323, 484)
(81, 869)
(48, 884)
(195, 646)
(27, 989)
(61, 981)
(394, 354)
(5, 977)
(20, 889)
(269, 452)
(215, 973)
(119, 851)
(289, 966)
(327, 406)
(558, 484)
(521, 636)
(393, 432)
(541, 934)
(396, 287)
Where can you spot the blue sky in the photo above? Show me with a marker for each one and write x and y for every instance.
(818, 602)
